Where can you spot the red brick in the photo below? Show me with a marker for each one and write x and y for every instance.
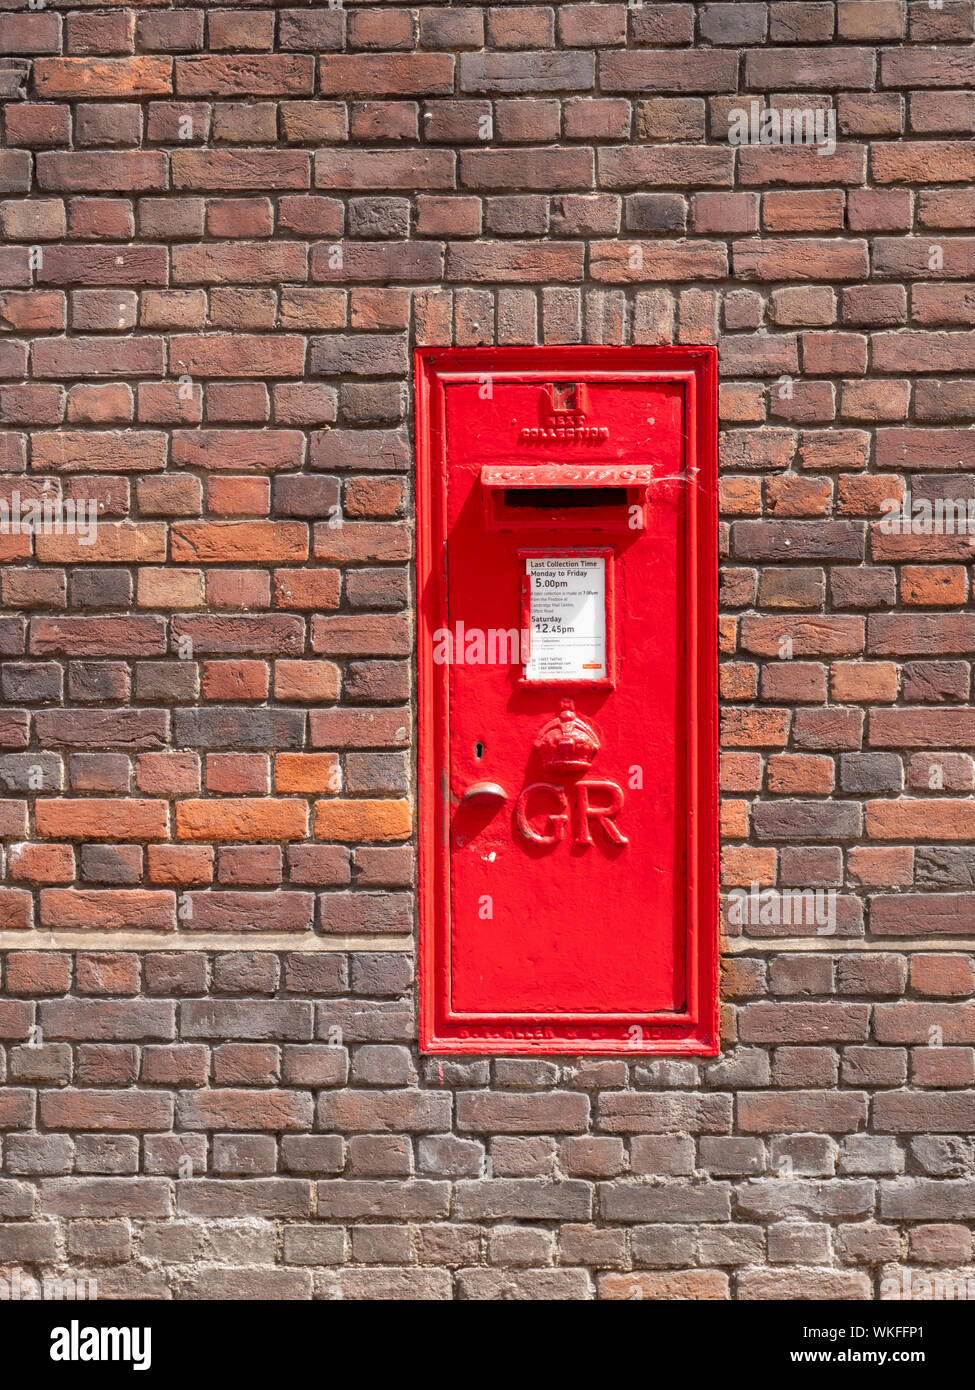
(134, 909)
(38, 972)
(942, 974)
(100, 819)
(87, 78)
(257, 542)
(249, 912)
(180, 865)
(102, 171)
(240, 774)
(235, 170)
(41, 863)
(925, 820)
(106, 1110)
(235, 680)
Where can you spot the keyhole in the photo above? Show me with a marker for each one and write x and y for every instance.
(479, 751)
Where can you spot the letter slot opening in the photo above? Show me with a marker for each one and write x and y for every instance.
(550, 496)
(557, 498)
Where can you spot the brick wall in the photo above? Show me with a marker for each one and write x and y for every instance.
(224, 230)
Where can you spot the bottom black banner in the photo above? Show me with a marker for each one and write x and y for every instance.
(325, 1338)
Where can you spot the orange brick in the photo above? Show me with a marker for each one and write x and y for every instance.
(99, 405)
(875, 400)
(744, 866)
(740, 496)
(237, 818)
(734, 819)
(312, 773)
(754, 728)
(738, 680)
(377, 309)
(934, 586)
(362, 820)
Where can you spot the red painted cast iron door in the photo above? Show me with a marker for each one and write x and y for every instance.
(564, 564)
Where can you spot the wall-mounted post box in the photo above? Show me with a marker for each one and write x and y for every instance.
(567, 662)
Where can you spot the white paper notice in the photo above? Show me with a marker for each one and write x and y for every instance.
(567, 640)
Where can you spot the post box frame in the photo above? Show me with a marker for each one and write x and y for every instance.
(694, 1031)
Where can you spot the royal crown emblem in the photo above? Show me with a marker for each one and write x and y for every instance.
(564, 417)
(568, 743)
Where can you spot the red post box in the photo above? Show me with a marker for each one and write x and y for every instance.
(567, 664)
